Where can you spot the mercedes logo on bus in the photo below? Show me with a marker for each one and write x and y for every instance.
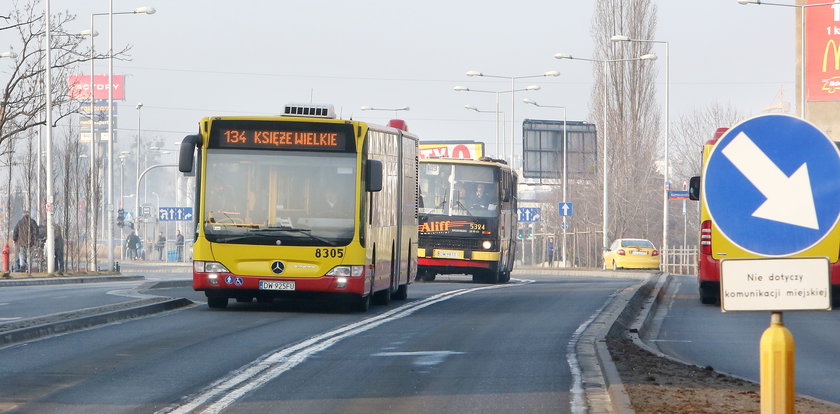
(277, 267)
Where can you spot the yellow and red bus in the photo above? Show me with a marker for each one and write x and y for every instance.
(467, 219)
(715, 246)
(302, 205)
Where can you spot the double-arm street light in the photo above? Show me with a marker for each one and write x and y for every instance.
(497, 112)
(666, 184)
(605, 62)
(512, 91)
(109, 201)
(512, 129)
(802, 55)
(565, 159)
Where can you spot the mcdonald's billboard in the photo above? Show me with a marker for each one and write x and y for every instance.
(822, 53)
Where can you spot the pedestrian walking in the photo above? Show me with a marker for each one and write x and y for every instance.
(25, 237)
(133, 246)
(179, 244)
(58, 245)
(160, 244)
(549, 250)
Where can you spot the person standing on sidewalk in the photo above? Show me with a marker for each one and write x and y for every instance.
(549, 250)
(59, 249)
(25, 237)
(160, 244)
(179, 244)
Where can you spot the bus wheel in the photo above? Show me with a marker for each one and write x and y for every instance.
(428, 276)
(362, 304)
(383, 297)
(217, 302)
(493, 276)
(707, 297)
(401, 293)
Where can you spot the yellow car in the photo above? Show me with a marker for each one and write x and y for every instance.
(631, 254)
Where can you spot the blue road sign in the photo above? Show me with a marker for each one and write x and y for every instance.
(771, 185)
(175, 213)
(528, 214)
(564, 209)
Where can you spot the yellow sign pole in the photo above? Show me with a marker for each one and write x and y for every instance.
(777, 368)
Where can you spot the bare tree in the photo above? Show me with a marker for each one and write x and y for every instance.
(688, 135)
(633, 121)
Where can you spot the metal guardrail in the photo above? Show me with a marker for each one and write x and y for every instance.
(681, 260)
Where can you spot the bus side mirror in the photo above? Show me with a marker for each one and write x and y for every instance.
(373, 175)
(694, 188)
(186, 155)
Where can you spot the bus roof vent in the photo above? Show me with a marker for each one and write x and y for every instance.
(309, 110)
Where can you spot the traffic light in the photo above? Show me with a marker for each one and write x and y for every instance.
(120, 217)
(520, 233)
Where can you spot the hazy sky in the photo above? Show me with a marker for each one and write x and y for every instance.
(196, 58)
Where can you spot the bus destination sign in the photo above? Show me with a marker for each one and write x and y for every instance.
(280, 136)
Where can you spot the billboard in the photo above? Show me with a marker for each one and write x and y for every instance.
(542, 141)
(822, 52)
(100, 116)
(452, 149)
(80, 87)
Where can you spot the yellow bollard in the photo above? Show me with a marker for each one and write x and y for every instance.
(777, 368)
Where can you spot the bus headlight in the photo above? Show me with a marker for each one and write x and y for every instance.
(341, 282)
(487, 244)
(209, 267)
(346, 271)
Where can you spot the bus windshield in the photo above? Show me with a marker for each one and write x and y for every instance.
(279, 197)
(458, 190)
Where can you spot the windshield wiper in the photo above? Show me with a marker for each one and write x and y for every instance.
(289, 229)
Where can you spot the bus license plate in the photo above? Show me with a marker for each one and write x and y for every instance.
(277, 285)
(450, 254)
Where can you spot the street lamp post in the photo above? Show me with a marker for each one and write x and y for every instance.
(801, 8)
(142, 10)
(370, 108)
(666, 183)
(511, 91)
(137, 155)
(565, 170)
(497, 113)
(513, 101)
(605, 62)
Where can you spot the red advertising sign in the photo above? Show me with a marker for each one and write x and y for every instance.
(455, 150)
(80, 87)
(822, 51)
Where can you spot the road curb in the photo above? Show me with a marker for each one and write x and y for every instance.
(60, 280)
(97, 318)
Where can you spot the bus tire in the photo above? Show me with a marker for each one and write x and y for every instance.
(217, 302)
(362, 304)
(492, 276)
(383, 297)
(401, 293)
(427, 276)
(707, 297)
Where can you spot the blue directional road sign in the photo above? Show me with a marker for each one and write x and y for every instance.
(175, 213)
(564, 209)
(528, 214)
(771, 185)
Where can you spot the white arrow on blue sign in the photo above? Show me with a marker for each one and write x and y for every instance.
(528, 214)
(771, 185)
(175, 213)
(564, 209)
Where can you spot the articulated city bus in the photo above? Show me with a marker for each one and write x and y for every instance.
(302, 204)
(467, 219)
(715, 246)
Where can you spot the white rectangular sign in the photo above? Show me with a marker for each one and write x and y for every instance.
(775, 284)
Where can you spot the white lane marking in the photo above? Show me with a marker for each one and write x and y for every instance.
(9, 319)
(4, 303)
(422, 358)
(252, 376)
(578, 401)
(671, 340)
